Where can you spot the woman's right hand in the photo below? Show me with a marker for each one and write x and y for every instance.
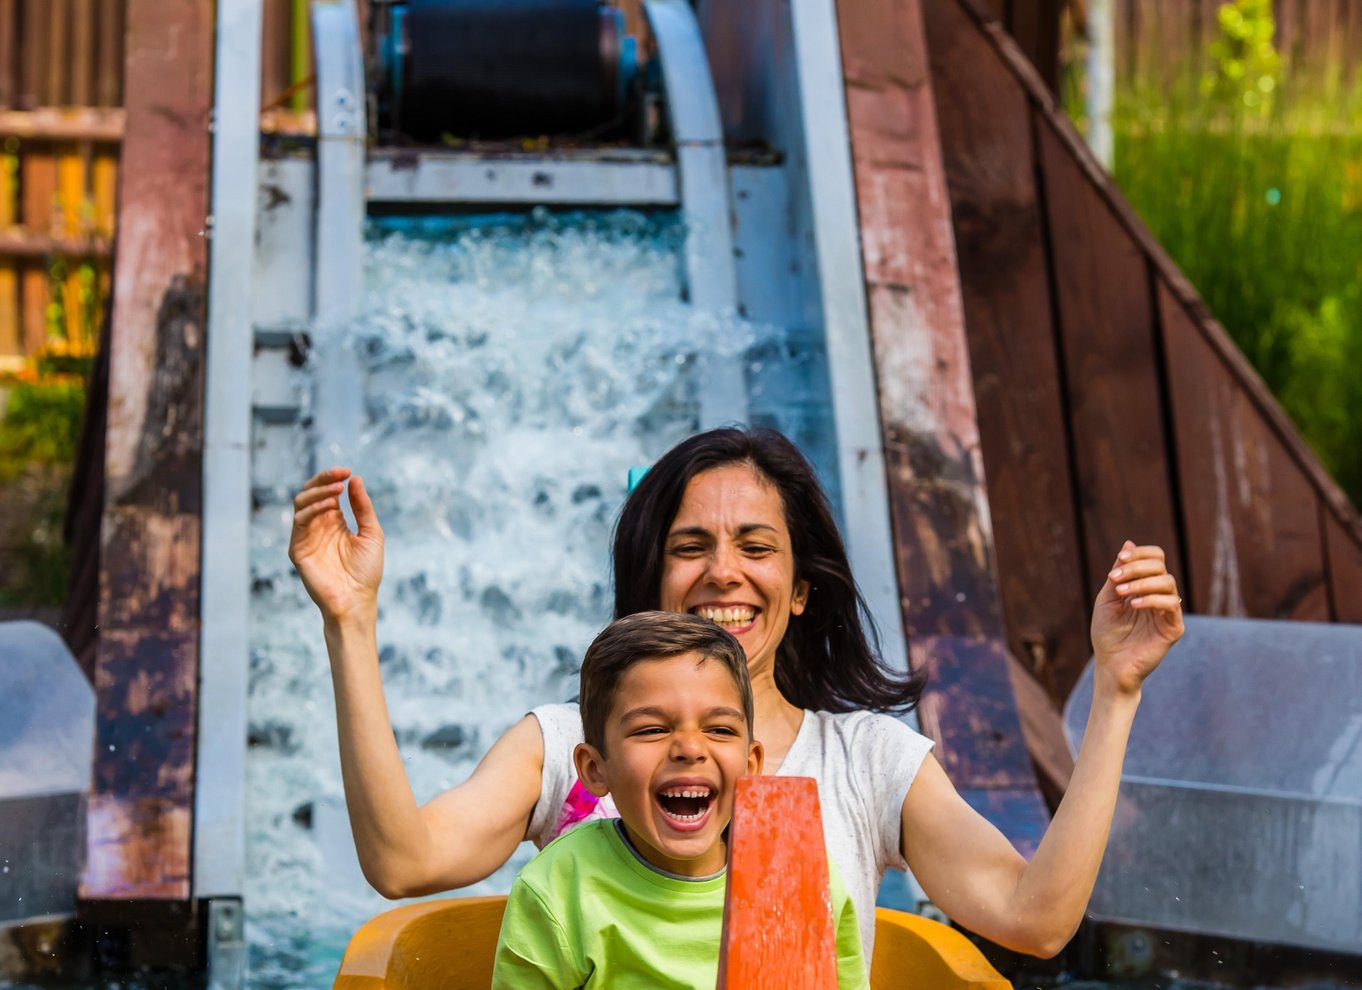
(340, 569)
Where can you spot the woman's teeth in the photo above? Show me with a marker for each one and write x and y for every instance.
(736, 617)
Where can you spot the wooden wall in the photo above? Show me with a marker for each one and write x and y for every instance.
(1111, 404)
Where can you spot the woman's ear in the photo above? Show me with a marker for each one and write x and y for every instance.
(756, 758)
(800, 599)
(591, 769)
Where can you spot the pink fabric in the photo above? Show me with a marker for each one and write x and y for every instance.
(581, 806)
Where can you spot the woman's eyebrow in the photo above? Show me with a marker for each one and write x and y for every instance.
(743, 530)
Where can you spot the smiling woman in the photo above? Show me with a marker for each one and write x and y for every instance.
(732, 526)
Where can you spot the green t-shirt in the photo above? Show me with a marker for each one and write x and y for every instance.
(587, 912)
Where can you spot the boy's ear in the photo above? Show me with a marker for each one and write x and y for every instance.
(756, 757)
(591, 769)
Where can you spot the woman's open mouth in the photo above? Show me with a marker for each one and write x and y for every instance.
(686, 807)
(734, 618)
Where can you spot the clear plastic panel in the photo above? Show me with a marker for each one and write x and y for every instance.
(1241, 802)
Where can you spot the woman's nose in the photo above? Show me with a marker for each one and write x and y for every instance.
(723, 567)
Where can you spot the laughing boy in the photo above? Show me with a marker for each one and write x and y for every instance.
(637, 902)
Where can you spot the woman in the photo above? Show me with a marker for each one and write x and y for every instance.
(732, 525)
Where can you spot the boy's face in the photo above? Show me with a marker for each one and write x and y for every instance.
(676, 742)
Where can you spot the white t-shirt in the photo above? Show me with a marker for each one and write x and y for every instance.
(864, 764)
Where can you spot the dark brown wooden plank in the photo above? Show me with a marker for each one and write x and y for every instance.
(938, 503)
(1113, 372)
(1018, 388)
(82, 52)
(1034, 24)
(9, 57)
(146, 665)
(276, 54)
(109, 53)
(56, 90)
(1344, 551)
(32, 54)
(1253, 542)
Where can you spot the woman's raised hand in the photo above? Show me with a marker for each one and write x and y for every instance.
(1137, 617)
(340, 569)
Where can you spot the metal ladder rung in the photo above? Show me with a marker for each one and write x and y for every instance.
(608, 178)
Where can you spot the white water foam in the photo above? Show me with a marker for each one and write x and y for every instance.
(516, 369)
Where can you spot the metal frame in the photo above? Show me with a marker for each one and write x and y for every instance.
(338, 412)
(568, 180)
(693, 110)
(219, 798)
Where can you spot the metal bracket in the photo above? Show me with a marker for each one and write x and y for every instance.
(697, 130)
(341, 137)
(226, 943)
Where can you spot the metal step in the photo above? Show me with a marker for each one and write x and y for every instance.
(622, 177)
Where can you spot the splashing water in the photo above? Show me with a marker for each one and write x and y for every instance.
(516, 369)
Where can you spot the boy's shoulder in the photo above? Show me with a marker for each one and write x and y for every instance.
(585, 848)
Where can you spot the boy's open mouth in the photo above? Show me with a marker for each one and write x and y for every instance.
(686, 803)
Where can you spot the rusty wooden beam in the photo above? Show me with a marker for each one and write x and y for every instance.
(101, 125)
(938, 503)
(146, 666)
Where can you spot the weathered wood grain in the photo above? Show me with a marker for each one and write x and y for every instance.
(1018, 384)
(938, 503)
(1345, 568)
(146, 665)
(1254, 546)
(1113, 374)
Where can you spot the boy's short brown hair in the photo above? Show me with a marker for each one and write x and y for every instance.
(647, 636)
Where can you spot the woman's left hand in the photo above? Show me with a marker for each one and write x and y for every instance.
(1137, 617)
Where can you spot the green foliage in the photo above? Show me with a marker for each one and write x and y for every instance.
(1246, 69)
(40, 561)
(1253, 183)
(41, 425)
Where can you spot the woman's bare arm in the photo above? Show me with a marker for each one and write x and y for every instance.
(405, 850)
(968, 868)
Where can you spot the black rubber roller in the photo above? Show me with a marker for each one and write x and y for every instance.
(498, 68)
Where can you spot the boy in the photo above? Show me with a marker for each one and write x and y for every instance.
(638, 902)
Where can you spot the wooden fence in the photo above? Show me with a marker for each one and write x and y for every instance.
(61, 70)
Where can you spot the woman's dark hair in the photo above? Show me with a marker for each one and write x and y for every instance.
(829, 659)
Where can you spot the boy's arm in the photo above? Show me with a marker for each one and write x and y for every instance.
(533, 950)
